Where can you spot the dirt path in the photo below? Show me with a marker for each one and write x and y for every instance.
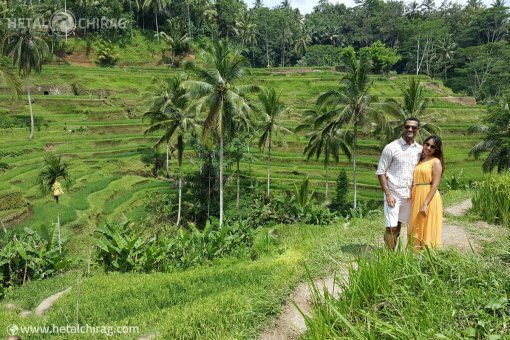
(460, 208)
(470, 101)
(291, 323)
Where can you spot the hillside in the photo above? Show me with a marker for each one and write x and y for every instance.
(92, 116)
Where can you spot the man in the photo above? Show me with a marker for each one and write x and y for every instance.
(395, 172)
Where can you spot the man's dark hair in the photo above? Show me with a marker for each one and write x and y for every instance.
(413, 119)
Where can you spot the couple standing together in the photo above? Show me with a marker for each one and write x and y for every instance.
(409, 175)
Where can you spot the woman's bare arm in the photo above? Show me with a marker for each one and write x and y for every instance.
(437, 171)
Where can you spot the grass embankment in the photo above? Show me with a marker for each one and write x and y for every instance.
(407, 296)
(231, 298)
(445, 294)
(99, 133)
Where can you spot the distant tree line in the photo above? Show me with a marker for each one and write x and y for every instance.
(465, 45)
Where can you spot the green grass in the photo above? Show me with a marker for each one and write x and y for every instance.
(232, 298)
(402, 295)
(106, 149)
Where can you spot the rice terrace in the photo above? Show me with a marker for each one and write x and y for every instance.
(207, 169)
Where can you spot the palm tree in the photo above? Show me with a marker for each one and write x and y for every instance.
(177, 43)
(9, 79)
(302, 42)
(285, 39)
(246, 30)
(219, 68)
(497, 137)
(130, 3)
(54, 169)
(28, 51)
(327, 140)
(272, 108)
(414, 104)
(352, 104)
(156, 6)
(176, 121)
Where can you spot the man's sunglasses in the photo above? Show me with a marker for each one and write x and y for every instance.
(407, 127)
(429, 145)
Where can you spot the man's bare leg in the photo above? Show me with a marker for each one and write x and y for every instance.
(391, 236)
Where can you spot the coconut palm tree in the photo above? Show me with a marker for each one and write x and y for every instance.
(28, 51)
(156, 6)
(272, 108)
(246, 30)
(302, 42)
(414, 104)
(178, 44)
(9, 79)
(217, 72)
(53, 170)
(352, 106)
(497, 137)
(328, 141)
(131, 3)
(175, 120)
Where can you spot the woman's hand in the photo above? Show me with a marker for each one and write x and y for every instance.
(424, 208)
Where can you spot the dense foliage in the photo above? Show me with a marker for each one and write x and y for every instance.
(406, 296)
(491, 199)
(125, 248)
(465, 45)
(29, 256)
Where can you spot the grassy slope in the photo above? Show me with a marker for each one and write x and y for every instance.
(109, 179)
(233, 298)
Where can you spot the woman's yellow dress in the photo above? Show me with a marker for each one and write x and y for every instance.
(425, 230)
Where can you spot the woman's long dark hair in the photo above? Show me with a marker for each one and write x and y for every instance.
(439, 149)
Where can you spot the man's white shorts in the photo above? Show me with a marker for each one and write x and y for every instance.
(400, 212)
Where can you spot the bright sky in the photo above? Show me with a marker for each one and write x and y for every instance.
(306, 6)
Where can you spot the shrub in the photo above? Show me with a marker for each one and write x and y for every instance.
(120, 248)
(491, 199)
(381, 57)
(30, 256)
(399, 295)
(106, 56)
(126, 249)
(454, 182)
(292, 207)
(339, 202)
(323, 55)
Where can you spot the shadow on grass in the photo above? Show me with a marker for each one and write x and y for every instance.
(359, 250)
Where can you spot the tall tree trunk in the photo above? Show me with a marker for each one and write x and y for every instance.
(180, 147)
(354, 167)
(58, 226)
(157, 27)
(168, 159)
(132, 16)
(221, 177)
(209, 193)
(418, 57)
(221, 158)
(269, 165)
(65, 11)
(327, 181)
(267, 51)
(189, 20)
(31, 113)
(238, 184)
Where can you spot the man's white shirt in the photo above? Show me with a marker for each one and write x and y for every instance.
(397, 163)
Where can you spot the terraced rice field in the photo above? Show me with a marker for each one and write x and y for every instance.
(99, 132)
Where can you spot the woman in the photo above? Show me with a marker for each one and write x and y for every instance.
(426, 221)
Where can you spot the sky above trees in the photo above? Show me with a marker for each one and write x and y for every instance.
(306, 6)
